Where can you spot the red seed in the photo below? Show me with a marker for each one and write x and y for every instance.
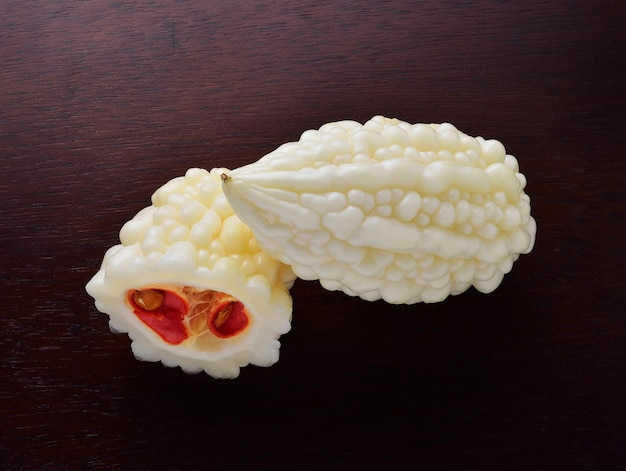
(229, 319)
(161, 310)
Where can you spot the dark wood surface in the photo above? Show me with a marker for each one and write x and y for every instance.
(101, 102)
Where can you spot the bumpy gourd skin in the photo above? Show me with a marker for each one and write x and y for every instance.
(190, 244)
(406, 213)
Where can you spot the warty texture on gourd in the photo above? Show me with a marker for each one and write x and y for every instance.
(387, 209)
(190, 285)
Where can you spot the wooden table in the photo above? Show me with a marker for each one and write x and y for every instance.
(104, 101)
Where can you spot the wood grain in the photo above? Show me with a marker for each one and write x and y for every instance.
(102, 102)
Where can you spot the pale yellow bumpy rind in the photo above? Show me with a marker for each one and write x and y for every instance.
(406, 213)
(190, 236)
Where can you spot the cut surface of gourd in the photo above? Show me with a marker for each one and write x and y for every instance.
(404, 212)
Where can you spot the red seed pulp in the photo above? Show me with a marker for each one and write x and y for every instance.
(228, 319)
(184, 312)
(166, 319)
